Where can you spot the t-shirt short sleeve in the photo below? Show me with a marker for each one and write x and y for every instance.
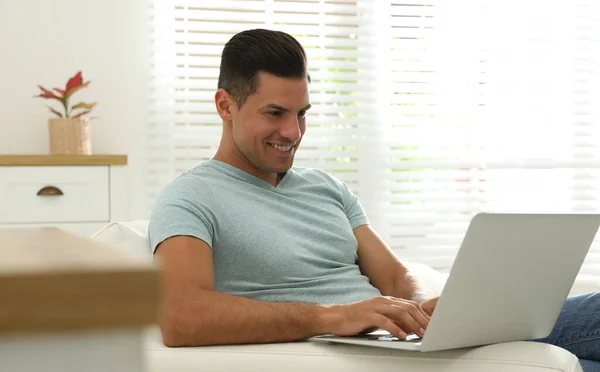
(354, 210)
(184, 207)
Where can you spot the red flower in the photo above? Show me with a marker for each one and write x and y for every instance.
(73, 85)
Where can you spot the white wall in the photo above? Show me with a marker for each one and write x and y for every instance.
(47, 41)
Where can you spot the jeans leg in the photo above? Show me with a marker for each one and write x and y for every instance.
(589, 365)
(578, 328)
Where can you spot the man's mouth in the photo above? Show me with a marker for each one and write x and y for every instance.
(281, 147)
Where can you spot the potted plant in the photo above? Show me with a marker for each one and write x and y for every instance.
(70, 131)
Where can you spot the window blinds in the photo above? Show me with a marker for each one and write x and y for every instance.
(491, 111)
(430, 110)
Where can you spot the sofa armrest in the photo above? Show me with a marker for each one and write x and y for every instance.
(323, 357)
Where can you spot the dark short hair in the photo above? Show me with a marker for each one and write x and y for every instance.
(249, 52)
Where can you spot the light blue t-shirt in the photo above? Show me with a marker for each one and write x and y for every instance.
(293, 242)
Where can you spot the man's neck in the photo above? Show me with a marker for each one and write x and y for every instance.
(243, 164)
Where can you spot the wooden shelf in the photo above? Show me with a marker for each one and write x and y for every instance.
(52, 281)
(37, 160)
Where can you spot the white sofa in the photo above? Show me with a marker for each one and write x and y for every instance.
(131, 238)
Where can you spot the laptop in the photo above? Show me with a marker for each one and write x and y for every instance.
(509, 282)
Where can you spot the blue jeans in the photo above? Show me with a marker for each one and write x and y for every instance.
(578, 330)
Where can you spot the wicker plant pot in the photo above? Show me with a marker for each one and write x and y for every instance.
(70, 136)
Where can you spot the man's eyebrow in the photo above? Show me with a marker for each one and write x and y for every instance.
(279, 108)
(276, 107)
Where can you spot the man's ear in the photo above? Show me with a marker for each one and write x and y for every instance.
(225, 104)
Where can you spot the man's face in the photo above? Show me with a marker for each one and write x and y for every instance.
(267, 129)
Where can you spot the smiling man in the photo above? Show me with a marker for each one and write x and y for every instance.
(257, 250)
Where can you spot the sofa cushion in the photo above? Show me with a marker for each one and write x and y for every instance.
(130, 238)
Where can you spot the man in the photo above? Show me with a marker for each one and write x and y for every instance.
(257, 251)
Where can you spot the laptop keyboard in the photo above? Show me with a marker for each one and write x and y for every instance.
(378, 336)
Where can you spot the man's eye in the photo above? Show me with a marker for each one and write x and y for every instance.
(275, 113)
(302, 114)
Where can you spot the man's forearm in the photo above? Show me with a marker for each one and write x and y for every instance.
(408, 286)
(215, 318)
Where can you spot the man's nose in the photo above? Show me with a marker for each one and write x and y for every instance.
(291, 129)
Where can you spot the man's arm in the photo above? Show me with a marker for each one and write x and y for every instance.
(195, 314)
(384, 270)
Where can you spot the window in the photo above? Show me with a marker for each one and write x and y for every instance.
(491, 110)
(430, 110)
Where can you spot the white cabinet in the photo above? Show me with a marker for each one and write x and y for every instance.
(79, 194)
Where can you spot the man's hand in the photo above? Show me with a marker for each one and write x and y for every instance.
(397, 316)
(429, 305)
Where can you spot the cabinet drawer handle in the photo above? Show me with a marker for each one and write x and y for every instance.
(50, 191)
